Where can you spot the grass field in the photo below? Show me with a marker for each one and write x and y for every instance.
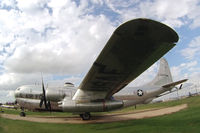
(185, 121)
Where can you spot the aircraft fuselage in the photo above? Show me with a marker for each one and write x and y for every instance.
(29, 97)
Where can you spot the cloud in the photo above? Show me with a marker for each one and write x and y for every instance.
(193, 49)
(165, 11)
(183, 71)
(61, 51)
(177, 71)
(188, 70)
(6, 96)
(56, 38)
(11, 81)
(54, 42)
(63, 38)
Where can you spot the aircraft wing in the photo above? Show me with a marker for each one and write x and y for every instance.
(133, 47)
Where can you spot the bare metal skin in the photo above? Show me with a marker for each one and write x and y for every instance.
(133, 47)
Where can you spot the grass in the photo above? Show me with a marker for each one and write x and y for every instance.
(187, 120)
(13, 111)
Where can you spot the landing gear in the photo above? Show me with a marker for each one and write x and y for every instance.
(22, 114)
(85, 116)
(1, 110)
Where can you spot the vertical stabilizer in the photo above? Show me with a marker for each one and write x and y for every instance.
(164, 75)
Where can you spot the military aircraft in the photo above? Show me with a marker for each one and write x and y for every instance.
(133, 47)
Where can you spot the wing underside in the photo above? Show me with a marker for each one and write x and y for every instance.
(133, 47)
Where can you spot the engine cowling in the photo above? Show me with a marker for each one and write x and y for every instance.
(54, 95)
(72, 106)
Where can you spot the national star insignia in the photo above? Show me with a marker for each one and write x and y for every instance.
(140, 92)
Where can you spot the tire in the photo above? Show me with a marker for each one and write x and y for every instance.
(22, 114)
(85, 116)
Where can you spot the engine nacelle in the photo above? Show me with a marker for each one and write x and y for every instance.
(54, 95)
(72, 106)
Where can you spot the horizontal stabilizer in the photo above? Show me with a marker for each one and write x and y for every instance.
(174, 83)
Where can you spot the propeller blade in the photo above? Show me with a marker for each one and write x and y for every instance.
(49, 105)
(44, 94)
(41, 102)
(43, 97)
(44, 101)
(180, 86)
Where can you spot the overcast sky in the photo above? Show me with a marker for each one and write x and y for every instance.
(62, 38)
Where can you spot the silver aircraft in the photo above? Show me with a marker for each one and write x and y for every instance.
(133, 47)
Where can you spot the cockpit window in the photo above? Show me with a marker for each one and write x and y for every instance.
(18, 89)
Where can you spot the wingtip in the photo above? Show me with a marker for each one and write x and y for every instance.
(139, 25)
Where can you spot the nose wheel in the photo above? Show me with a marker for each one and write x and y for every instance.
(85, 116)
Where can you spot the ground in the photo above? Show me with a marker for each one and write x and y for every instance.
(100, 118)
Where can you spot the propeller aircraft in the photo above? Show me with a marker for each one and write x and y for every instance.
(133, 47)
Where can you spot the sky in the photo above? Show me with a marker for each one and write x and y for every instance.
(62, 38)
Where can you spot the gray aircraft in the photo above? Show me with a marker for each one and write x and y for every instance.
(133, 47)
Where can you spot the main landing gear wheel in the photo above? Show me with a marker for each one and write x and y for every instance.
(22, 114)
(85, 116)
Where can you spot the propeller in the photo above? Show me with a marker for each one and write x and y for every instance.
(180, 87)
(47, 104)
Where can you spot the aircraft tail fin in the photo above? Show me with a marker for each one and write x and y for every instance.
(163, 76)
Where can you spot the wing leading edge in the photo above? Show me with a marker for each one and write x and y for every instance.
(133, 47)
